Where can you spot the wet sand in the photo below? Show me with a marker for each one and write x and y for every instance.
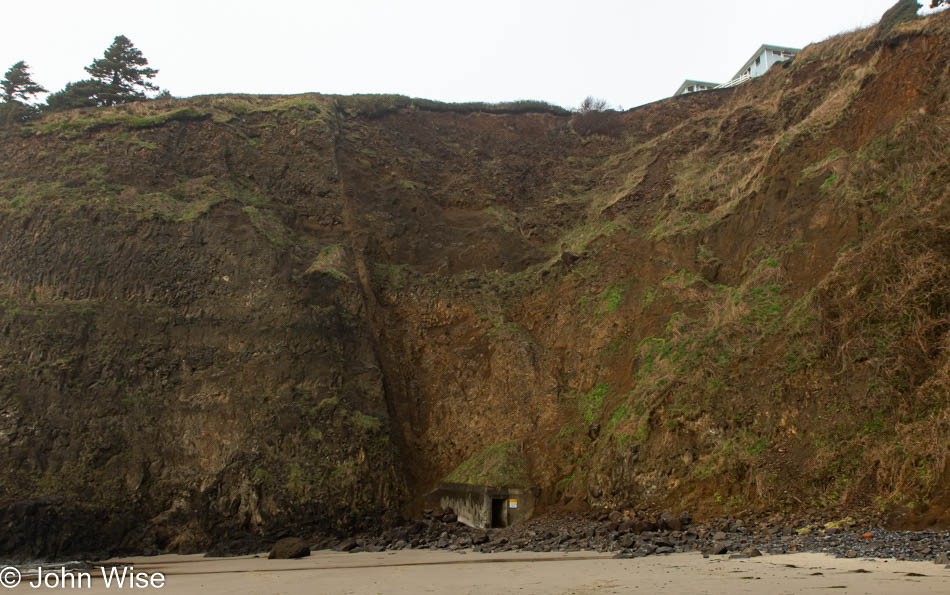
(416, 571)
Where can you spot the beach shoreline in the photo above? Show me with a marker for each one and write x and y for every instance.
(428, 571)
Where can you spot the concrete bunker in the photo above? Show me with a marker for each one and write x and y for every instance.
(485, 507)
(490, 489)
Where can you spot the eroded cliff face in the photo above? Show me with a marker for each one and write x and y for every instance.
(176, 358)
(227, 318)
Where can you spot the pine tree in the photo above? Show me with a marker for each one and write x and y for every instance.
(17, 84)
(85, 93)
(123, 72)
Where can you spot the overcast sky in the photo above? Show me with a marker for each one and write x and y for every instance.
(627, 52)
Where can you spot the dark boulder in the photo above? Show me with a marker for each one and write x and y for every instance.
(667, 522)
(289, 547)
(642, 526)
(717, 548)
(347, 545)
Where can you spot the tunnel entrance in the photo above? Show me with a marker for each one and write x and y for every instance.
(498, 512)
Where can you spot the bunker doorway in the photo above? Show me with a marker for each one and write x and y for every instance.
(498, 512)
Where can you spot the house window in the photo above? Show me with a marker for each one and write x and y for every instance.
(758, 60)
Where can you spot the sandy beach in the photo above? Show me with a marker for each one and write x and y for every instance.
(415, 571)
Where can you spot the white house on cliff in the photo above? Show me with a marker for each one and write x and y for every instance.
(763, 59)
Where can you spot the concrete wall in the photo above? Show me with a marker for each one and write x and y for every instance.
(472, 508)
(524, 500)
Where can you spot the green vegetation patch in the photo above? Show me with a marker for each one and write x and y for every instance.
(129, 138)
(611, 298)
(524, 106)
(376, 106)
(393, 276)
(367, 424)
(592, 403)
(501, 465)
(291, 104)
(829, 182)
(330, 261)
(186, 114)
(18, 193)
(75, 123)
(267, 223)
(619, 415)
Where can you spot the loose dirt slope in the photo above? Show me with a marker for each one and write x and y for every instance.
(230, 317)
